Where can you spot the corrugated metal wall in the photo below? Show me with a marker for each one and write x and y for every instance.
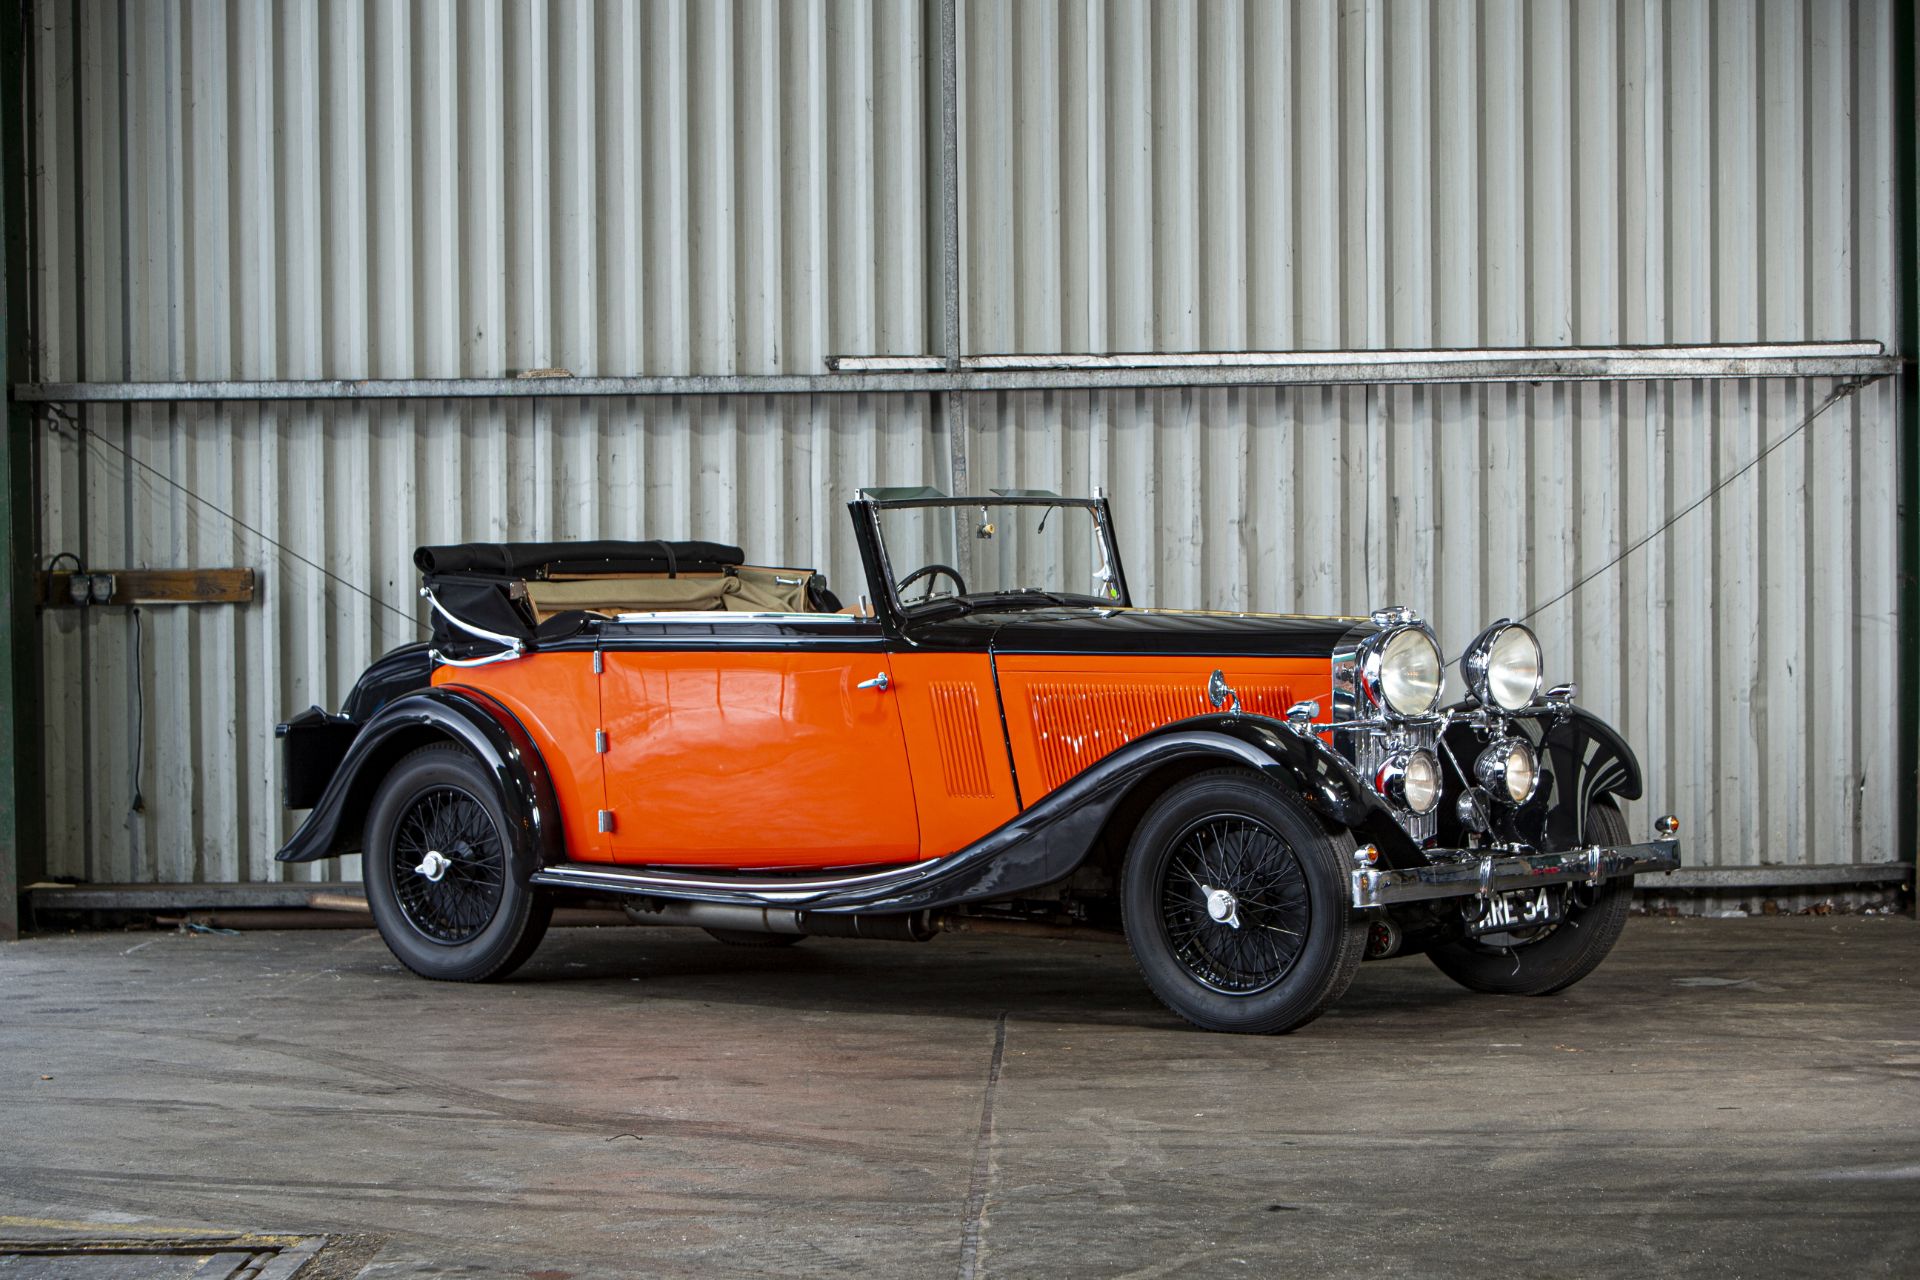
(449, 189)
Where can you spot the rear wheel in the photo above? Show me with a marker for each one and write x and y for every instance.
(446, 885)
(1235, 905)
(1541, 961)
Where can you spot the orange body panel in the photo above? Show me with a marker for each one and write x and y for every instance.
(962, 783)
(1066, 712)
(755, 759)
(556, 697)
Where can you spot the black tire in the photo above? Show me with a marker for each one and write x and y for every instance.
(479, 918)
(748, 938)
(1289, 942)
(1565, 952)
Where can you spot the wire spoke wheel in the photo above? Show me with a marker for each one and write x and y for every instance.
(448, 869)
(1235, 903)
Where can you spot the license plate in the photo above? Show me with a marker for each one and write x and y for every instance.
(1518, 909)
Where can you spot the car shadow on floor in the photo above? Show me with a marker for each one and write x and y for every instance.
(976, 979)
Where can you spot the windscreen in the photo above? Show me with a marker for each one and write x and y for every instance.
(1046, 552)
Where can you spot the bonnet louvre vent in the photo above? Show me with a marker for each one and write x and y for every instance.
(956, 716)
(1077, 722)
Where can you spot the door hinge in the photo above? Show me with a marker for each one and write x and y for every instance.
(599, 662)
(600, 741)
(606, 821)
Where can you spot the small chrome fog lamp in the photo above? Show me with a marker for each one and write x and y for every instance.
(1509, 770)
(1410, 779)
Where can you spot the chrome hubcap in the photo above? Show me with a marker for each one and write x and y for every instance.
(434, 865)
(1222, 906)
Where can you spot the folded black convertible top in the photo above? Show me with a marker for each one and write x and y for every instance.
(538, 559)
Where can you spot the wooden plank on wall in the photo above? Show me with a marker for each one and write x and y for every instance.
(156, 586)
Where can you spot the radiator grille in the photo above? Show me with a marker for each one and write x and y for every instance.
(1077, 722)
(956, 719)
(1369, 749)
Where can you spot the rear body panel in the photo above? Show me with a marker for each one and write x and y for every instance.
(556, 699)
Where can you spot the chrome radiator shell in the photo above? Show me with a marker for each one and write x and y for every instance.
(1366, 739)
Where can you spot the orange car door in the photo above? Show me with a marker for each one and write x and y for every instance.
(742, 745)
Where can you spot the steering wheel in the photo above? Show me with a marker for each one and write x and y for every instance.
(927, 570)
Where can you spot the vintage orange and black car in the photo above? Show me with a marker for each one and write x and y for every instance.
(994, 737)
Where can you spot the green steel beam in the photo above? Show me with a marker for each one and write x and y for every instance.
(21, 795)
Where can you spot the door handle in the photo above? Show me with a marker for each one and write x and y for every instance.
(878, 682)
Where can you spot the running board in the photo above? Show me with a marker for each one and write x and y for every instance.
(743, 890)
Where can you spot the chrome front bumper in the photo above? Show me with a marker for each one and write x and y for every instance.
(1459, 873)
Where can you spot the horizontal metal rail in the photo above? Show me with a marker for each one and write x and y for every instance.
(1784, 877)
(875, 375)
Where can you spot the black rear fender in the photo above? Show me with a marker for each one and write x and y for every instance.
(426, 717)
(314, 743)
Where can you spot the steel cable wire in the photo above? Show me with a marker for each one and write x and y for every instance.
(58, 416)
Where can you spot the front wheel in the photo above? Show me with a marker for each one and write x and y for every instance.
(1541, 961)
(446, 885)
(1236, 907)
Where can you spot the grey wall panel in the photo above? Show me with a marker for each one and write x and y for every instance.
(473, 189)
(441, 189)
(1398, 173)
(1746, 654)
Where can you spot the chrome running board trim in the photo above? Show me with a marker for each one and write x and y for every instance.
(689, 886)
(1464, 872)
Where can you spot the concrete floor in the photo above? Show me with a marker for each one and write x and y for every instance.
(1722, 1097)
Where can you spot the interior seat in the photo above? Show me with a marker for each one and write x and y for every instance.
(746, 589)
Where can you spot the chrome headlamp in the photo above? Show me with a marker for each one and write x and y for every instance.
(1502, 666)
(1410, 779)
(1402, 673)
(1509, 770)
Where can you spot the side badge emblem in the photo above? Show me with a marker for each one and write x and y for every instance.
(1221, 694)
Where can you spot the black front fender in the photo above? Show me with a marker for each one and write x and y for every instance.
(1589, 761)
(1584, 760)
(1048, 841)
(465, 717)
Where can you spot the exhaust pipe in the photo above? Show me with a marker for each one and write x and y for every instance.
(920, 926)
(917, 927)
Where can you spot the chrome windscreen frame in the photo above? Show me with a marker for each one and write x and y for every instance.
(868, 503)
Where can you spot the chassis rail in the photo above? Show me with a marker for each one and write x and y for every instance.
(1459, 873)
